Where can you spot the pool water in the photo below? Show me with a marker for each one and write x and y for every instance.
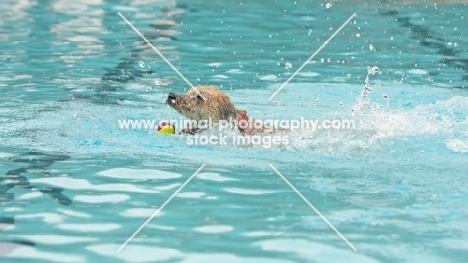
(74, 186)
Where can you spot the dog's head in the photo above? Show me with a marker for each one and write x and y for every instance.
(203, 102)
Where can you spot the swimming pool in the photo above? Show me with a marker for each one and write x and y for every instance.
(75, 186)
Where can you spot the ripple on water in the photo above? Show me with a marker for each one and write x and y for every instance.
(215, 177)
(56, 239)
(29, 196)
(46, 217)
(190, 195)
(309, 74)
(128, 173)
(220, 76)
(228, 258)
(244, 191)
(213, 229)
(104, 227)
(417, 71)
(96, 199)
(270, 77)
(136, 253)
(140, 212)
(307, 249)
(74, 213)
(82, 184)
(23, 251)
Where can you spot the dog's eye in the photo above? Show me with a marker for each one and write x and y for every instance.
(199, 97)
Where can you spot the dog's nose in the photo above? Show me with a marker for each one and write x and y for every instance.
(172, 96)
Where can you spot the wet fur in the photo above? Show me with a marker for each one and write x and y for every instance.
(203, 102)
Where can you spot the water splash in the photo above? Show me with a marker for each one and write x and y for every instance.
(361, 100)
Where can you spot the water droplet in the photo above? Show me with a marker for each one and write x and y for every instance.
(310, 32)
(157, 82)
(278, 64)
(141, 64)
(358, 35)
(269, 36)
(198, 79)
(449, 43)
(322, 60)
(288, 65)
(315, 99)
(371, 47)
(148, 88)
(455, 44)
(348, 76)
(328, 5)
(372, 70)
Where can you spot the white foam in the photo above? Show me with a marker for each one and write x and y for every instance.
(457, 145)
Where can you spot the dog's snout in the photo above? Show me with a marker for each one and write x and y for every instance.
(172, 96)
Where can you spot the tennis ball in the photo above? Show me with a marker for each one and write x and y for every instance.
(166, 128)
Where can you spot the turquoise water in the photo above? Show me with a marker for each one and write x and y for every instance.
(74, 186)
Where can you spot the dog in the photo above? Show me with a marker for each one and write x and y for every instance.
(205, 102)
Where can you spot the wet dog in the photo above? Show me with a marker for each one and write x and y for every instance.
(204, 102)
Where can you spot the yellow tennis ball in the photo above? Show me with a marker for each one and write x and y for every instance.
(166, 129)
